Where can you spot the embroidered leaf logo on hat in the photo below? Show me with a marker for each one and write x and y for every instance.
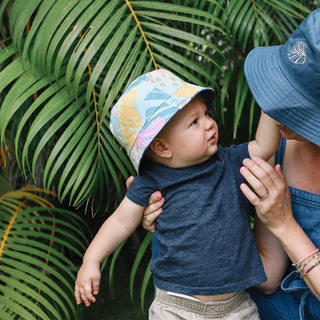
(298, 54)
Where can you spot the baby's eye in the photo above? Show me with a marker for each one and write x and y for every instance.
(194, 122)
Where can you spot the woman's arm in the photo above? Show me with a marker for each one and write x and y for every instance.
(274, 258)
(275, 212)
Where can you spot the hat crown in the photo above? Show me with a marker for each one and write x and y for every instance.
(284, 79)
(300, 56)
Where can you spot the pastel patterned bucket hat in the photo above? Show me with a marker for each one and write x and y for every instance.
(146, 106)
(285, 79)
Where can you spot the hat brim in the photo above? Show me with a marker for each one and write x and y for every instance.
(277, 97)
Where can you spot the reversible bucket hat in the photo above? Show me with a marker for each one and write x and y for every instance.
(285, 79)
(146, 106)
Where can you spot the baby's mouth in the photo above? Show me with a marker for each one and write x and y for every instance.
(212, 138)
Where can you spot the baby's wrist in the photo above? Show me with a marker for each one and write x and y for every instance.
(89, 260)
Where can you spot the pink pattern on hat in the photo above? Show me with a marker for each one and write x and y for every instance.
(149, 133)
(144, 139)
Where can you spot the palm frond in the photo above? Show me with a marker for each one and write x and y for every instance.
(75, 60)
(63, 64)
(36, 275)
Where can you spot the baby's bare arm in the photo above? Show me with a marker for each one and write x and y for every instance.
(267, 138)
(117, 228)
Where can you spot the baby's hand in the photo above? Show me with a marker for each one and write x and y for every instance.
(87, 283)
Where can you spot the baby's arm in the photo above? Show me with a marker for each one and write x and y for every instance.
(117, 228)
(267, 138)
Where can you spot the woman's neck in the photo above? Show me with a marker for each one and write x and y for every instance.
(302, 165)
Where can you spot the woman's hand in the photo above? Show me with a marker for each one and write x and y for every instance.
(271, 196)
(274, 211)
(154, 209)
(152, 212)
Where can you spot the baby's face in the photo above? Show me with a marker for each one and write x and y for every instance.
(192, 134)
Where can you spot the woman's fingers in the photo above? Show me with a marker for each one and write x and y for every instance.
(263, 178)
(249, 194)
(152, 212)
(148, 225)
(271, 196)
(260, 190)
(256, 177)
(129, 181)
(155, 203)
(267, 183)
(265, 172)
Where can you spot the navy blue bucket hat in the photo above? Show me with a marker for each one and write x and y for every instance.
(285, 79)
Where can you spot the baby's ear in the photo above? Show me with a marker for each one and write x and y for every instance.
(160, 148)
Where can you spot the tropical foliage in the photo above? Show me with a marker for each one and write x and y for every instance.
(36, 275)
(63, 64)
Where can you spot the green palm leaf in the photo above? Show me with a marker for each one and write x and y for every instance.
(36, 277)
(79, 55)
(63, 64)
(76, 58)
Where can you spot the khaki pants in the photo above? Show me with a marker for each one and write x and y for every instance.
(170, 307)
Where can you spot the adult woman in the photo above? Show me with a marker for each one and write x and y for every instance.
(285, 82)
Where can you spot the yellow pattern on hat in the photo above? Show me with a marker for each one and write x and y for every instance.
(128, 117)
(186, 90)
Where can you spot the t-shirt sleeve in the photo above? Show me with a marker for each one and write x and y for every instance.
(141, 189)
(237, 153)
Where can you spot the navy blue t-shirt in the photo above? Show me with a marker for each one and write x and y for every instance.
(206, 243)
